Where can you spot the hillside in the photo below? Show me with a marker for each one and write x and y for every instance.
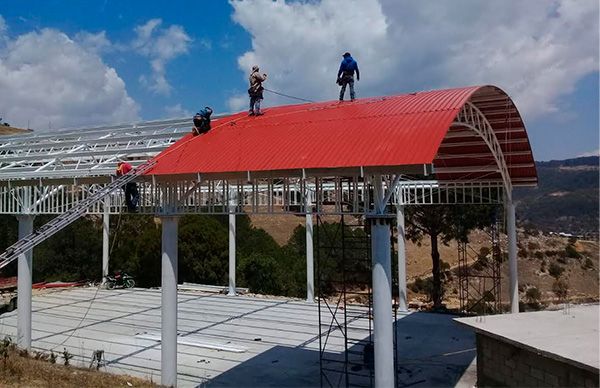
(566, 199)
(7, 130)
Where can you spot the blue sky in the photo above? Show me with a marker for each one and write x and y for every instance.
(70, 63)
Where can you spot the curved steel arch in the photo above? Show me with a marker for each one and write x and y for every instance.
(471, 117)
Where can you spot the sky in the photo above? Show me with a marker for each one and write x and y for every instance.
(67, 63)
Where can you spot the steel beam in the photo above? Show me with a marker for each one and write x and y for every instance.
(402, 300)
(232, 250)
(105, 237)
(168, 353)
(310, 273)
(511, 230)
(383, 330)
(24, 273)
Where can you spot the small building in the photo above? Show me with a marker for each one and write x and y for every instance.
(545, 348)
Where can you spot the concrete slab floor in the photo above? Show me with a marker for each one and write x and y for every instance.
(570, 335)
(236, 341)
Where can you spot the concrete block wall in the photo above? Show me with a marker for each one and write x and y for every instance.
(503, 364)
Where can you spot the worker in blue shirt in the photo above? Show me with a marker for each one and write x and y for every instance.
(346, 75)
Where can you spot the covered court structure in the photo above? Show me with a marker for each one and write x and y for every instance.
(457, 146)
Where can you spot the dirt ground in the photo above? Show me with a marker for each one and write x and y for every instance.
(19, 371)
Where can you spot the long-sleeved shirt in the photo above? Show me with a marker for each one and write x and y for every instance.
(348, 67)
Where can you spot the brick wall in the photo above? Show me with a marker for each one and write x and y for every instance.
(502, 364)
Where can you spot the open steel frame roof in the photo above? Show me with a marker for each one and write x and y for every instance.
(465, 134)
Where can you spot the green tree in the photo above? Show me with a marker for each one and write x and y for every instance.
(136, 248)
(444, 223)
(203, 250)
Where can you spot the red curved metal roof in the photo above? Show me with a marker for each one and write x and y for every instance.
(409, 129)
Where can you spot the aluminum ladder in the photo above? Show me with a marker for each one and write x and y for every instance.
(62, 221)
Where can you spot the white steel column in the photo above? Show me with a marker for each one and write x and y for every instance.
(169, 302)
(232, 251)
(24, 273)
(105, 237)
(511, 226)
(382, 291)
(402, 300)
(310, 268)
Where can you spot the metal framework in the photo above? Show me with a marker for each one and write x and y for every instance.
(84, 153)
(262, 196)
(344, 302)
(479, 278)
(71, 171)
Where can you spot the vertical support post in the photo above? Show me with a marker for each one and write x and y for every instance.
(310, 266)
(382, 290)
(105, 237)
(232, 251)
(24, 273)
(169, 302)
(511, 226)
(402, 299)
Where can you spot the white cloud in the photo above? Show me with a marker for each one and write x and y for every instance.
(46, 77)
(2, 26)
(177, 111)
(535, 50)
(98, 42)
(238, 102)
(159, 45)
(590, 153)
(299, 44)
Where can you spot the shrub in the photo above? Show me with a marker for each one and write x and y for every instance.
(67, 356)
(259, 273)
(551, 252)
(523, 253)
(555, 270)
(588, 264)
(444, 266)
(533, 246)
(544, 266)
(425, 286)
(570, 251)
(538, 255)
(560, 288)
(562, 260)
(533, 295)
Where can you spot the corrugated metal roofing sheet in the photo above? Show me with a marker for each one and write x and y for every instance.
(381, 131)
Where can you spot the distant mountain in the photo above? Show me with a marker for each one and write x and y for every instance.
(566, 199)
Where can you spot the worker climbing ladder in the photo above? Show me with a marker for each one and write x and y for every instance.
(62, 221)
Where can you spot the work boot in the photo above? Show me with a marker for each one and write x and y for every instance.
(250, 113)
(259, 114)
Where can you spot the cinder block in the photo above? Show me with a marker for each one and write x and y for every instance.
(519, 376)
(524, 368)
(551, 379)
(537, 373)
(509, 362)
(531, 381)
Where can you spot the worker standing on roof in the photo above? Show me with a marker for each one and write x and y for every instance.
(131, 191)
(202, 121)
(256, 91)
(346, 75)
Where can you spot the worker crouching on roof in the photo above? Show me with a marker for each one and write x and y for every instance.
(202, 121)
(131, 191)
(346, 75)
(256, 91)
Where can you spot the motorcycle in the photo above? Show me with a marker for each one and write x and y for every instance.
(120, 279)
